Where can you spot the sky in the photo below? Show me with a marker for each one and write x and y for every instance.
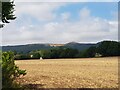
(62, 22)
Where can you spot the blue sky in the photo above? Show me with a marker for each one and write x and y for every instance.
(60, 22)
(103, 10)
(98, 9)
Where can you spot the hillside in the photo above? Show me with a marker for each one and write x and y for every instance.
(30, 47)
(79, 46)
(25, 48)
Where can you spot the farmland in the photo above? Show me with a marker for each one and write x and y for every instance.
(70, 73)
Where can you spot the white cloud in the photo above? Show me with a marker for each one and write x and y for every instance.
(41, 11)
(114, 15)
(65, 16)
(86, 29)
(85, 13)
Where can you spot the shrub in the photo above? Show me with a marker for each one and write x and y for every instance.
(21, 56)
(9, 70)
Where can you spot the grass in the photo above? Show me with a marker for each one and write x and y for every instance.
(70, 73)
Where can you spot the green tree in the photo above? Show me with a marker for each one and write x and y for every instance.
(6, 12)
(69, 53)
(109, 48)
(9, 70)
(90, 52)
(36, 54)
(45, 54)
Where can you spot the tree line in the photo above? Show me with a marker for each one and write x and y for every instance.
(102, 49)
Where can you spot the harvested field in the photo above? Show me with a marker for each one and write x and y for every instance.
(70, 73)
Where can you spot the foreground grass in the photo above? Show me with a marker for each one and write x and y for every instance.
(70, 73)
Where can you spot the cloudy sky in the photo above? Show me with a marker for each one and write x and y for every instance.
(60, 22)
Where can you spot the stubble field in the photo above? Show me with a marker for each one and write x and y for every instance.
(70, 73)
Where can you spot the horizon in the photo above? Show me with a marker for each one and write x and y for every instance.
(59, 23)
(60, 43)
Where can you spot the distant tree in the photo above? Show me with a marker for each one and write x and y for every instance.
(109, 48)
(68, 53)
(36, 54)
(59, 52)
(15, 52)
(45, 54)
(90, 52)
(22, 56)
(54, 53)
(7, 12)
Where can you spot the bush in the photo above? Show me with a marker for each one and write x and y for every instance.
(21, 56)
(9, 70)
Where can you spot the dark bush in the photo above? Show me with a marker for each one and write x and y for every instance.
(9, 70)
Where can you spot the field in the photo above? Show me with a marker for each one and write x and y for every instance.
(70, 73)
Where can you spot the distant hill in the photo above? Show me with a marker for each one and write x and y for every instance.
(79, 46)
(30, 47)
(26, 48)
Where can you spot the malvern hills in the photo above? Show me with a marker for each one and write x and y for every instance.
(30, 47)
